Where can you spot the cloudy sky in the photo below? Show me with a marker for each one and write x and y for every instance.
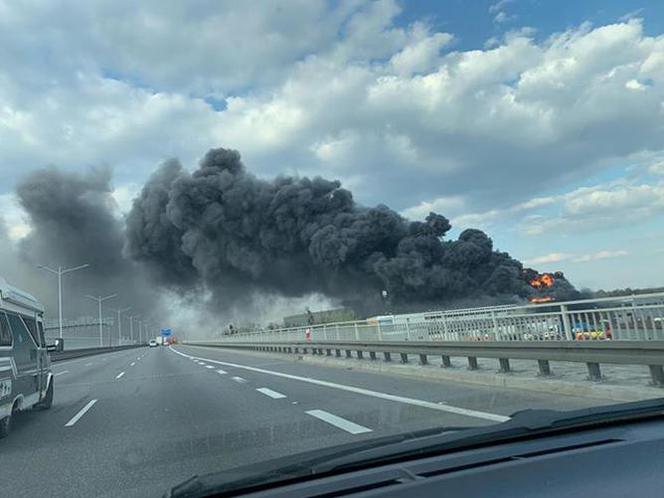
(539, 123)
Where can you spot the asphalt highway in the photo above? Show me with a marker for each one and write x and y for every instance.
(136, 422)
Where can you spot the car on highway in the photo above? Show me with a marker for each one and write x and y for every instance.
(153, 343)
(26, 380)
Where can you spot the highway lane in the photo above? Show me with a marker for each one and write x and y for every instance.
(135, 422)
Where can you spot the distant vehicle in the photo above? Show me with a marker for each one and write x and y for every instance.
(153, 343)
(160, 340)
(586, 332)
(26, 380)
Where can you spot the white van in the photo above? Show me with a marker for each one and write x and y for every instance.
(26, 380)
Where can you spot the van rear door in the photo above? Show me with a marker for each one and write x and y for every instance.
(26, 358)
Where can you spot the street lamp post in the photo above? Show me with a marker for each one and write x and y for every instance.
(100, 300)
(131, 327)
(119, 312)
(59, 272)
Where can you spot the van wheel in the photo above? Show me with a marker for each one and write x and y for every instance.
(6, 424)
(46, 403)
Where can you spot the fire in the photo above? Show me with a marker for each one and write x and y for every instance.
(542, 281)
(543, 299)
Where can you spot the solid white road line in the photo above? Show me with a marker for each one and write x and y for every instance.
(119, 375)
(76, 417)
(494, 417)
(339, 422)
(239, 379)
(209, 366)
(60, 373)
(221, 372)
(132, 364)
(269, 392)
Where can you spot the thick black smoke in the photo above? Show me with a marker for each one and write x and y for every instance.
(226, 231)
(72, 221)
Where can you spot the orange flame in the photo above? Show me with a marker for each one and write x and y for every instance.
(543, 299)
(542, 281)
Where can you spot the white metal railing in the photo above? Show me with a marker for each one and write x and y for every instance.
(636, 317)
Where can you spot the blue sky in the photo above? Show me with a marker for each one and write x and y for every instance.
(537, 121)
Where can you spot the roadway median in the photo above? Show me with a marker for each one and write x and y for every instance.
(612, 370)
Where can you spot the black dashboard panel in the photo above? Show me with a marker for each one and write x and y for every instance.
(609, 462)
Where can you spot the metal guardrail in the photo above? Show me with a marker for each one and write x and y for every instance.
(79, 353)
(625, 318)
(592, 353)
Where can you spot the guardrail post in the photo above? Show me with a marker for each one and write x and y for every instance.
(424, 360)
(544, 368)
(297, 350)
(495, 326)
(328, 352)
(447, 362)
(445, 331)
(387, 356)
(372, 355)
(657, 375)
(404, 357)
(357, 333)
(504, 364)
(348, 355)
(304, 350)
(337, 353)
(472, 363)
(359, 354)
(567, 328)
(594, 372)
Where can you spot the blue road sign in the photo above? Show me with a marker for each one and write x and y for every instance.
(166, 332)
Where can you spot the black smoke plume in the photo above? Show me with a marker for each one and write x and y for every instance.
(72, 221)
(223, 230)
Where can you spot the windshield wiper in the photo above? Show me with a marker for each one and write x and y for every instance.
(528, 423)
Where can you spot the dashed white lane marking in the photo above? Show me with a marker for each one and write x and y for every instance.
(339, 422)
(77, 417)
(60, 373)
(209, 366)
(269, 392)
(494, 417)
(119, 375)
(132, 364)
(221, 372)
(239, 379)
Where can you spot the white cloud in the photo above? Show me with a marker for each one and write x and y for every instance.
(13, 217)
(553, 257)
(600, 255)
(447, 205)
(588, 209)
(356, 97)
(498, 6)
(557, 257)
(502, 17)
(631, 15)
